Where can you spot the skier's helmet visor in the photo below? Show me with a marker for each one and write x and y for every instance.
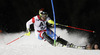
(44, 14)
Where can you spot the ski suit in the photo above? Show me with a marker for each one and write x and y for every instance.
(39, 26)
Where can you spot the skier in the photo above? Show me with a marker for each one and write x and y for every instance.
(41, 29)
(40, 26)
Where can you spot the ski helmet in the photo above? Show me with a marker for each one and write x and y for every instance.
(42, 13)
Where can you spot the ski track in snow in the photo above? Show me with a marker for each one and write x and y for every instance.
(30, 45)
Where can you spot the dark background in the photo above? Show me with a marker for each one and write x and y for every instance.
(78, 13)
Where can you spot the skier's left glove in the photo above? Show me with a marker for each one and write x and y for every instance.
(53, 24)
(28, 32)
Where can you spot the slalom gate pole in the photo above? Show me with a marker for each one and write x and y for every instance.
(15, 40)
(54, 23)
(77, 28)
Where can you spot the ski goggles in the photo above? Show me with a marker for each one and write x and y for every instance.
(43, 14)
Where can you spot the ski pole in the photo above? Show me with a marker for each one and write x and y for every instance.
(77, 28)
(15, 39)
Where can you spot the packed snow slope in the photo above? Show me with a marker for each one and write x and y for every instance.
(30, 45)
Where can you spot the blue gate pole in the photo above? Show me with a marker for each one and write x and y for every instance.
(54, 23)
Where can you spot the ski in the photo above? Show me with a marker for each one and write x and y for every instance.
(61, 42)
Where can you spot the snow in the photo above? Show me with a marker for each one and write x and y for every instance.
(30, 45)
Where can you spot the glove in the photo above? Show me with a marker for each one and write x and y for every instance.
(28, 33)
(53, 24)
(57, 23)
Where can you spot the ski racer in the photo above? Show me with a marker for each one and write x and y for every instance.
(41, 30)
(40, 26)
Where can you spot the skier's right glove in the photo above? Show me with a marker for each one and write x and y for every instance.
(28, 32)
